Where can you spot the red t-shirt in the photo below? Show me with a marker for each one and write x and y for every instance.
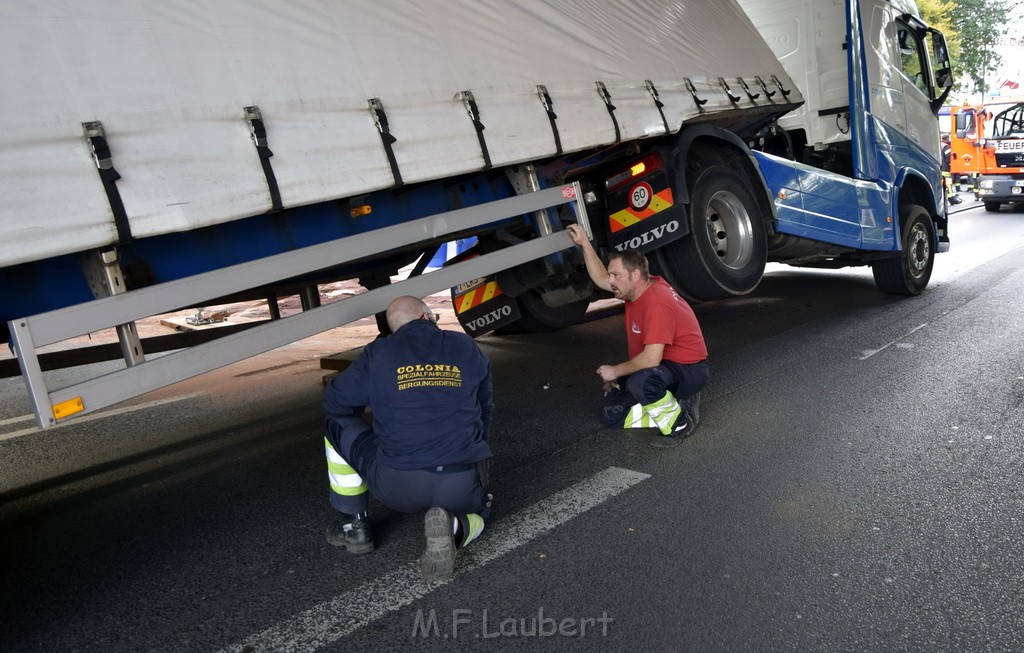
(661, 317)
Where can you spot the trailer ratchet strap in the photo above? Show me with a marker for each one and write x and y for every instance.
(549, 108)
(97, 140)
(258, 132)
(386, 138)
(474, 115)
(602, 90)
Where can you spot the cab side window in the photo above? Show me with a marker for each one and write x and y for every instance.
(912, 52)
(965, 125)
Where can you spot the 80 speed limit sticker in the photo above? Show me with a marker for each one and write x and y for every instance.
(640, 196)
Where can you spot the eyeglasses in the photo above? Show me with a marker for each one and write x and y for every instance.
(433, 317)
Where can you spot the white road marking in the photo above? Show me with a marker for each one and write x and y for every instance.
(15, 420)
(346, 613)
(88, 418)
(868, 353)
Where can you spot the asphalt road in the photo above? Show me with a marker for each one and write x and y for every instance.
(855, 485)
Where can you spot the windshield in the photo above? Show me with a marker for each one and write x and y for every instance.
(1009, 123)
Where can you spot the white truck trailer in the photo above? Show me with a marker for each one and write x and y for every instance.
(159, 156)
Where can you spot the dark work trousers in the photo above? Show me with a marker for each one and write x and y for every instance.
(456, 488)
(649, 385)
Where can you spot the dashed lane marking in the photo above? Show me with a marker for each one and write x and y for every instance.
(868, 353)
(346, 613)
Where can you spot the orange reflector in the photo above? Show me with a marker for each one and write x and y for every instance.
(359, 211)
(888, 219)
(68, 408)
(638, 169)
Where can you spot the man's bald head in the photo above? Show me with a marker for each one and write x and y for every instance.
(405, 309)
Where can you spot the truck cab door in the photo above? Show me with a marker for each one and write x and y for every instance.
(966, 153)
(920, 126)
(927, 78)
(900, 95)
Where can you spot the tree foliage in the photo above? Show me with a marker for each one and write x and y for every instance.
(975, 26)
(939, 14)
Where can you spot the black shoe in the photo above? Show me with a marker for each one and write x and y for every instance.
(354, 536)
(681, 430)
(438, 561)
(692, 404)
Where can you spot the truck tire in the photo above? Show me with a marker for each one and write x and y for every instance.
(908, 274)
(992, 207)
(538, 317)
(725, 253)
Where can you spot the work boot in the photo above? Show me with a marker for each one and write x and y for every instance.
(355, 536)
(692, 404)
(681, 429)
(438, 561)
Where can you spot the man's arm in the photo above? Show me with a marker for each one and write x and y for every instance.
(595, 268)
(650, 356)
(346, 395)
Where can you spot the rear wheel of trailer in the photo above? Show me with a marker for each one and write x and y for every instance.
(725, 254)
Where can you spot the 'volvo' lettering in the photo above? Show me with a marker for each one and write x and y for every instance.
(490, 318)
(648, 237)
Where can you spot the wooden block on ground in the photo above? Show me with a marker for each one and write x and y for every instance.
(180, 324)
(341, 360)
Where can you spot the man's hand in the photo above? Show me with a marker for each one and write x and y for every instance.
(649, 356)
(607, 373)
(578, 235)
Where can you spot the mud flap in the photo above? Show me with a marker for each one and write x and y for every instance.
(643, 215)
(481, 306)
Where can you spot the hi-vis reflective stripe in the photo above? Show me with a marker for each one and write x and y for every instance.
(628, 217)
(477, 296)
(637, 418)
(343, 479)
(664, 412)
(476, 526)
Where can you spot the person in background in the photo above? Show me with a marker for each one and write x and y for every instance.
(947, 178)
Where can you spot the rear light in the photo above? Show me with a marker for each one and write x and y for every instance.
(645, 166)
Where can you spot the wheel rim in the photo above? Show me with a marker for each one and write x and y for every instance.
(730, 230)
(919, 250)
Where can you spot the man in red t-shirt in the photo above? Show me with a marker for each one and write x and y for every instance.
(659, 386)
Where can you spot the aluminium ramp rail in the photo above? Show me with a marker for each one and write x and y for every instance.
(53, 406)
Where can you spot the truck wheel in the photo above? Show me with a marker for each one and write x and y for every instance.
(726, 250)
(992, 207)
(538, 317)
(908, 274)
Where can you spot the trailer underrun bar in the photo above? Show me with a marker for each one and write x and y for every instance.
(28, 334)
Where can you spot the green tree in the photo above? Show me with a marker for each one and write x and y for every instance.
(979, 24)
(939, 14)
